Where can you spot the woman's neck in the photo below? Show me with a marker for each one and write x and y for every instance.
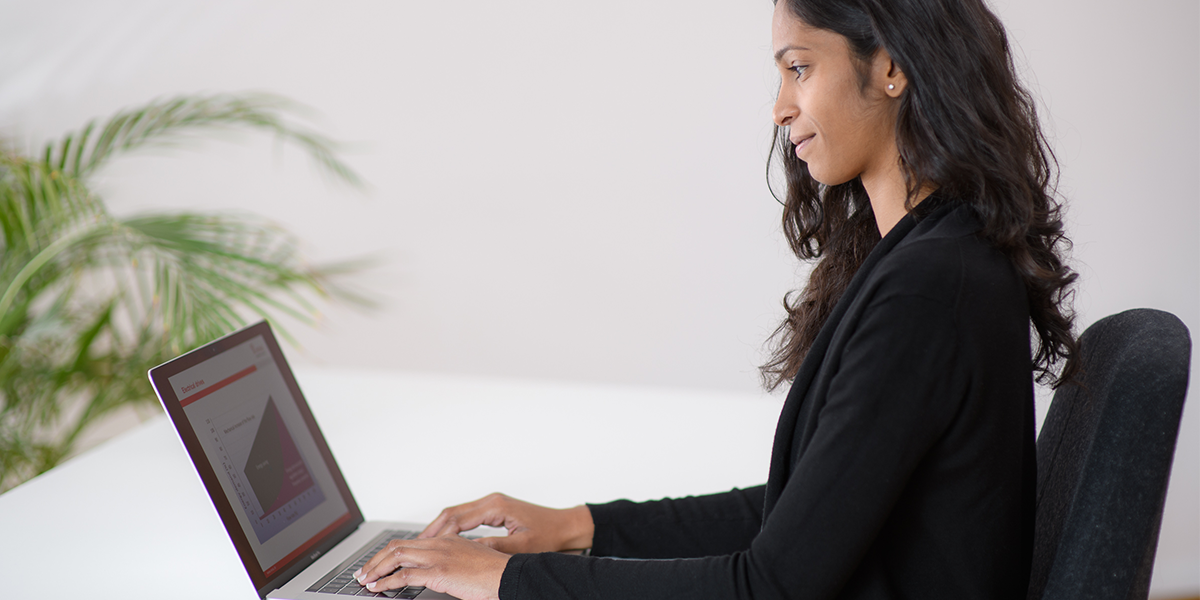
(889, 195)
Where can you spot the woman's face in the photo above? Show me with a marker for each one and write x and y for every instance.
(841, 129)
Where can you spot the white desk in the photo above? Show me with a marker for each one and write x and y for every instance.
(130, 519)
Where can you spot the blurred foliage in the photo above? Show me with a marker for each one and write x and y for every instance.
(90, 301)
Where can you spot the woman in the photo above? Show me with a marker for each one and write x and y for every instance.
(903, 463)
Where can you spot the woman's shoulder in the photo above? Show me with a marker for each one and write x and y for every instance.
(945, 257)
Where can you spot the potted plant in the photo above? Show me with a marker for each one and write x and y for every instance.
(89, 301)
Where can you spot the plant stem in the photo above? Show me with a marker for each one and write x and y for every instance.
(40, 260)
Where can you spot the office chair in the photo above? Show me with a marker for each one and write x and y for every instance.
(1104, 457)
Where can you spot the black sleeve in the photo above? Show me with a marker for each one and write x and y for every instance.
(883, 411)
(678, 528)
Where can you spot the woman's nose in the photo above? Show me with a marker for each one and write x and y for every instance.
(785, 110)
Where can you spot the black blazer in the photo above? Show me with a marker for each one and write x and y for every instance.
(903, 463)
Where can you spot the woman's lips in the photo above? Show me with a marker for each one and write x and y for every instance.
(802, 144)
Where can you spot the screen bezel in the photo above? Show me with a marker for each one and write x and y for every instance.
(159, 378)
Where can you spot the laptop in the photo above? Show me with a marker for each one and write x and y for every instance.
(270, 473)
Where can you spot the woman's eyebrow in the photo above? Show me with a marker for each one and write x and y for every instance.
(784, 50)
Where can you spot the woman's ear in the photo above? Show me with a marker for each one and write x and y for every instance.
(888, 74)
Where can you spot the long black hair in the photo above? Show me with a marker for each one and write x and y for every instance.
(966, 127)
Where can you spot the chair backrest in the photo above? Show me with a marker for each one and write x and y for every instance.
(1104, 458)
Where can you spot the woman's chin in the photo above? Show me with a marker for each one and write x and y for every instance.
(825, 178)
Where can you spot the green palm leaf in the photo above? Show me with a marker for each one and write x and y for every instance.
(168, 121)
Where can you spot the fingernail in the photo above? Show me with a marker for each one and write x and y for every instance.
(371, 586)
(358, 574)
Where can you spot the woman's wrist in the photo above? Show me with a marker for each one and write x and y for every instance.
(579, 527)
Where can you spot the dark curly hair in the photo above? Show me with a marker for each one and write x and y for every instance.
(965, 127)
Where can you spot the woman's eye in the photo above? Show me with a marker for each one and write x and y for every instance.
(799, 69)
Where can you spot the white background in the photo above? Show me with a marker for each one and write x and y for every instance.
(575, 190)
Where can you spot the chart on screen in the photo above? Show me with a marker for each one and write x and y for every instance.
(268, 472)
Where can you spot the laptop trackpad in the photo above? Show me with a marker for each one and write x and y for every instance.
(429, 594)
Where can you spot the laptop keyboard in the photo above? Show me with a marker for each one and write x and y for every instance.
(340, 581)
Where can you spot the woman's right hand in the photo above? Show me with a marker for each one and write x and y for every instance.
(531, 528)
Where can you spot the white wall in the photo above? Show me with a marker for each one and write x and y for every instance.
(575, 190)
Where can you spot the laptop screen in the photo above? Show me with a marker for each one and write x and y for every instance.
(259, 452)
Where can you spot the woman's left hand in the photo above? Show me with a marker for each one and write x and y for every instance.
(451, 564)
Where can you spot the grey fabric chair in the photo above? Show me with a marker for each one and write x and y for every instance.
(1104, 457)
